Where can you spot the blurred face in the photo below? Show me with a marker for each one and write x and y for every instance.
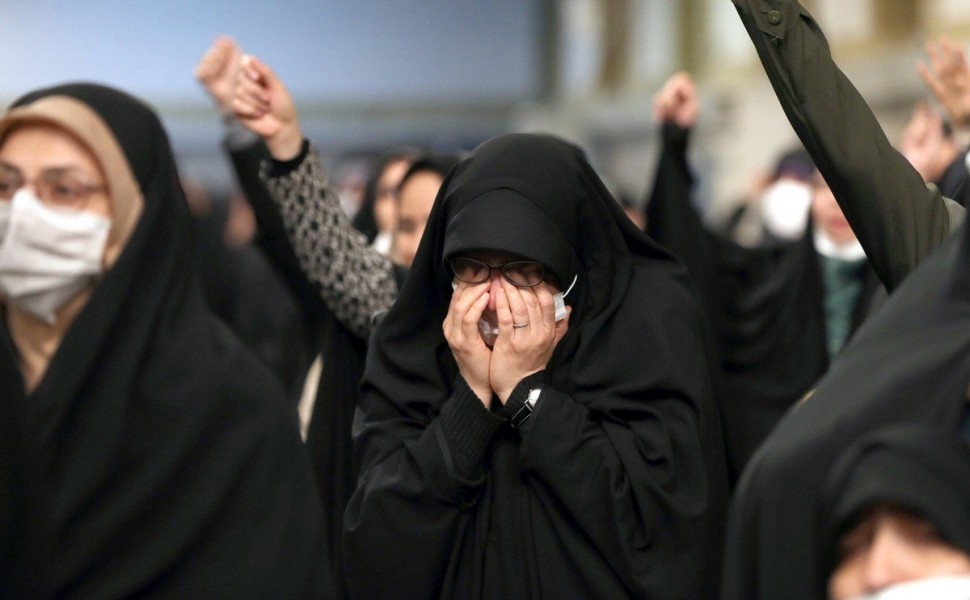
(414, 206)
(888, 547)
(55, 166)
(827, 214)
(385, 201)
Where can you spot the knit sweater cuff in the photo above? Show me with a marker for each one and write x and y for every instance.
(468, 427)
(278, 168)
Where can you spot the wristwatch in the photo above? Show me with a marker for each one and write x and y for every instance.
(526, 411)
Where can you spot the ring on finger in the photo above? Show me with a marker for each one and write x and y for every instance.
(519, 325)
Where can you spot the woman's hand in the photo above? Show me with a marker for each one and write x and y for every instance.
(460, 326)
(527, 335)
(262, 103)
(217, 71)
(677, 101)
(948, 76)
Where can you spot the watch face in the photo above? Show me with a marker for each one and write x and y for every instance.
(533, 396)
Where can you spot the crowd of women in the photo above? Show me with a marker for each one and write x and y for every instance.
(523, 394)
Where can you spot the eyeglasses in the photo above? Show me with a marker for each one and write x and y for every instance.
(55, 188)
(520, 273)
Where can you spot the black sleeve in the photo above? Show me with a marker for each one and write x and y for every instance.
(411, 502)
(627, 473)
(271, 236)
(671, 218)
(897, 218)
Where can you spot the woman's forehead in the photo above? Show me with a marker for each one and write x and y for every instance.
(38, 145)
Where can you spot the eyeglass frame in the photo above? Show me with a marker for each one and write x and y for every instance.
(86, 190)
(501, 269)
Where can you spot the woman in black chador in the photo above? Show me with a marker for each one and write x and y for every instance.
(508, 453)
(893, 517)
(145, 452)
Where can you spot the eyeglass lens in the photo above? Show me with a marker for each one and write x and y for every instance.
(55, 189)
(523, 273)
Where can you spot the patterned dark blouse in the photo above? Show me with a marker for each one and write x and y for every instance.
(354, 280)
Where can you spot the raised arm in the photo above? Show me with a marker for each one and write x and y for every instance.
(354, 280)
(898, 220)
(216, 72)
(671, 218)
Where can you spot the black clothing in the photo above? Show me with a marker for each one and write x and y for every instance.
(955, 181)
(766, 305)
(923, 470)
(897, 218)
(909, 363)
(328, 444)
(614, 487)
(157, 456)
(244, 289)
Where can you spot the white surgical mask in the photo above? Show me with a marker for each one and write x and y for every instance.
(785, 207)
(4, 218)
(47, 256)
(937, 588)
(560, 300)
(826, 246)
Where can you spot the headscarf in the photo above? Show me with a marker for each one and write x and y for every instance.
(37, 340)
(628, 354)
(919, 469)
(156, 456)
(908, 364)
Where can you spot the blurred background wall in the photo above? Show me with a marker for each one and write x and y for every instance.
(368, 74)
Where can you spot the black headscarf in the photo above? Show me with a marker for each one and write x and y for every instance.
(910, 363)
(629, 403)
(919, 469)
(156, 457)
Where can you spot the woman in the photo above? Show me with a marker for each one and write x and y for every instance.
(894, 517)
(506, 453)
(378, 213)
(154, 455)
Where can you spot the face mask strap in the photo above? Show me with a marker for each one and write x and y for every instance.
(571, 285)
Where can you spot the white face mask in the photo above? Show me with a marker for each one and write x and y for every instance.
(785, 207)
(4, 219)
(937, 588)
(47, 256)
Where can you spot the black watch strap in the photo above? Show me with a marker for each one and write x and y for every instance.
(528, 406)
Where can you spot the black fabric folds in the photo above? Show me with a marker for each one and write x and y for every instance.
(909, 363)
(920, 469)
(765, 304)
(613, 488)
(157, 457)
